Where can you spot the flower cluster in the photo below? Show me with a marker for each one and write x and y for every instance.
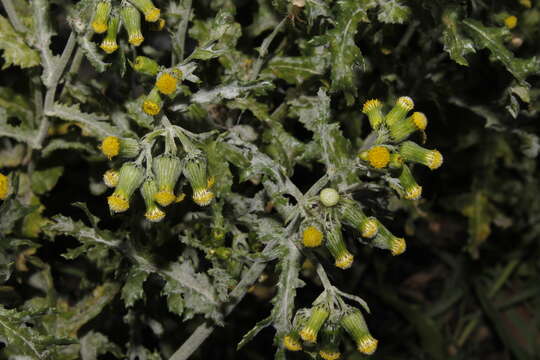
(166, 83)
(158, 181)
(392, 150)
(325, 227)
(322, 328)
(108, 18)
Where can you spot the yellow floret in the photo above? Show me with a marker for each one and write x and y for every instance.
(312, 237)
(110, 178)
(291, 343)
(203, 197)
(345, 261)
(378, 156)
(329, 355)
(406, 103)
(308, 334)
(136, 39)
(117, 203)
(164, 197)
(99, 27)
(419, 120)
(367, 345)
(435, 159)
(151, 108)
(210, 182)
(511, 22)
(370, 105)
(109, 46)
(370, 228)
(166, 83)
(4, 186)
(398, 246)
(155, 214)
(152, 15)
(413, 193)
(110, 146)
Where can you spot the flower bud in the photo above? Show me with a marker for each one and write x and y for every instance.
(388, 241)
(318, 316)
(403, 105)
(113, 146)
(292, 341)
(167, 82)
(312, 235)
(416, 153)
(330, 341)
(110, 178)
(378, 156)
(511, 22)
(336, 245)
(4, 186)
(130, 178)
(195, 172)
(411, 190)
(167, 169)
(101, 16)
(353, 322)
(152, 103)
(353, 215)
(151, 13)
(109, 44)
(149, 189)
(132, 22)
(373, 109)
(145, 65)
(329, 197)
(402, 129)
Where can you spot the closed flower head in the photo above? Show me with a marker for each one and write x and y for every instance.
(152, 103)
(109, 44)
(329, 197)
(110, 178)
(403, 105)
(353, 215)
(149, 189)
(318, 316)
(131, 19)
(4, 186)
(410, 189)
(373, 109)
(312, 236)
(511, 22)
(416, 153)
(195, 172)
(388, 241)
(400, 130)
(378, 156)
(353, 322)
(292, 342)
(336, 245)
(130, 179)
(151, 13)
(330, 341)
(101, 16)
(167, 169)
(145, 65)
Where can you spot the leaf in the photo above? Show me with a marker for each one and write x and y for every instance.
(492, 38)
(16, 52)
(142, 119)
(218, 167)
(92, 54)
(62, 144)
(480, 213)
(94, 344)
(94, 122)
(264, 19)
(22, 133)
(206, 52)
(393, 12)
(345, 55)
(455, 44)
(259, 326)
(16, 105)
(295, 70)
(43, 181)
(132, 290)
(230, 91)
(42, 39)
(11, 211)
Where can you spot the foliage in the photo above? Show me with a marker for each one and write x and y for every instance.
(252, 169)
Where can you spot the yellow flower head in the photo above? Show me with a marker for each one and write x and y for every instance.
(165, 197)
(110, 146)
(99, 27)
(435, 159)
(203, 197)
(419, 120)
(151, 108)
(378, 156)
(345, 261)
(369, 228)
(118, 203)
(110, 178)
(413, 193)
(367, 344)
(152, 14)
(511, 22)
(308, 334)
(330, 355)
(136, 38)
(109, 46)
(312, 237)
(166, 83)
(370, 105)
(405, 102)
(154, 214)
(4, 186)
(398, 246)
(291, 343)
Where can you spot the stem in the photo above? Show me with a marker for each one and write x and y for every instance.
(263, 50)
(12, 15)
(181, 34)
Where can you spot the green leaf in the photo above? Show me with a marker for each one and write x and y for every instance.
(23, 132)
(206, 52)
(92, 53)
(492, 38)
(393, 12)
(45, 180)
(42, 39)
(295, 70)
(345, 55)
(455, 44)
(218, 167)
(62, 144)
(230, 91)
(94, 344)
(16, 52)
(264, 19)
(11, 211)
(133, 287)
(16, 105)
